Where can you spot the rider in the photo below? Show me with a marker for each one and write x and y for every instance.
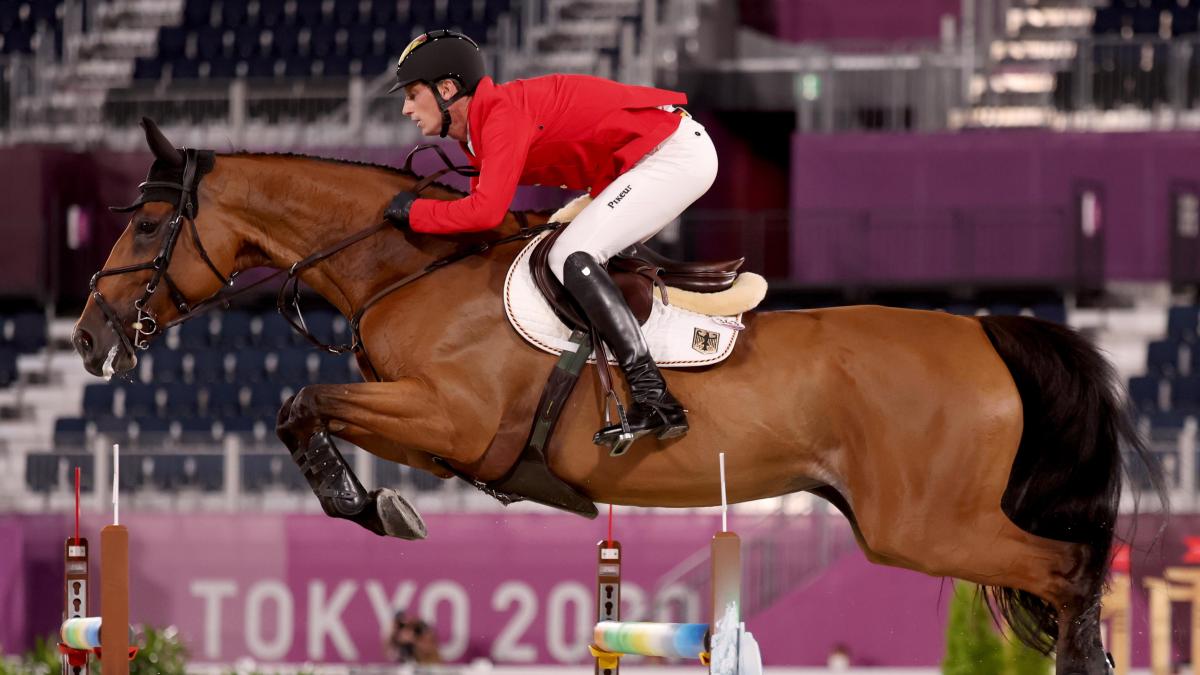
(642, 160)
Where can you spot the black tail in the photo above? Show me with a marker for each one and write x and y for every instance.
(1066, 479)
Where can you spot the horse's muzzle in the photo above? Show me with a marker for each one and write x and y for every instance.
(103, 355)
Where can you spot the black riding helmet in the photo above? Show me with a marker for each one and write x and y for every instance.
(436, 56)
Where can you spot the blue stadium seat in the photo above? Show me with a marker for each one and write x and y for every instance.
(233, 14)
(308, 13)
(41, 472)
(17, 41)
(223, 400)
(141, 400)
(492, 9)
(335, 369)
(292, 367)
(260, 68)
(171, 42)
(196, 430)
(132, 474)
(149, 68)
(321, 43)
(98, 400)
(423, 14)
(270, 13)
(1181, 323)
(243, 427)
(209, 44)
(383, 12)
(961, 309)
(1185, 20)
(1143, 393)
(195, 334)
(8, 366)
(208, 366)
(1003, 309)
(335, 65)
(1162, 358)
(197, 13)
(1166, 425)
(1185, 394)
(208, 473)
(186, 70)
(28, 333)
(182, 400)
(166, 365)
(221, 68)
(360, 41)
(283, 43)
(265, 399)
(70, 433)
(86, 463)
(257, 471)
(153, 432)
(114, 429)
(168, 473)
(375, 64)
(1051, 311)
(276, 333)
(250, 366)
(460, 13)
(8, 15)
(246, 45)
(387, 473)
(345, 12)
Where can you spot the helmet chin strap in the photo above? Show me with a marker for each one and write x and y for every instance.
(444, 106)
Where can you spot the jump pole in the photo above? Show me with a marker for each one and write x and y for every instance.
(722, 644)
(109, 635)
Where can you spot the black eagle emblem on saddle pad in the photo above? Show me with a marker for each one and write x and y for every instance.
(705, 341)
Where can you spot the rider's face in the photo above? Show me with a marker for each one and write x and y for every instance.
(421, 106)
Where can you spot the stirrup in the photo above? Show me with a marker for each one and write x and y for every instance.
(624, 440)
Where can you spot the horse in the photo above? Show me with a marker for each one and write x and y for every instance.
(987, 449)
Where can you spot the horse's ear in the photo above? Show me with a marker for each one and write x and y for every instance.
(159, 144)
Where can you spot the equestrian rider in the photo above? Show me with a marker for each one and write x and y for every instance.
(642, 160)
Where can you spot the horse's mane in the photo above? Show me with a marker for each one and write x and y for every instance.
(453, 191)
(347, 162)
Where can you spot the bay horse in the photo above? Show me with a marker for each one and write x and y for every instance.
(987, 449)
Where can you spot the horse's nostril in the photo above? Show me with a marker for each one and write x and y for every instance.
(83, 342)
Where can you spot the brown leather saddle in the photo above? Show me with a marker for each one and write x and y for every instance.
(636, 271)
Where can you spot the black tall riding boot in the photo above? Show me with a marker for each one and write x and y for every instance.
(654, 409)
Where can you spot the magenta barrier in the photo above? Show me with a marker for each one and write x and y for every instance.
(514, 588)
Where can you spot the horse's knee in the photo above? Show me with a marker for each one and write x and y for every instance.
(297, 413)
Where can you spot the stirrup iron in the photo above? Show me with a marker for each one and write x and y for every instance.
(625, 439)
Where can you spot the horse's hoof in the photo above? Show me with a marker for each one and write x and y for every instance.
(397, 517)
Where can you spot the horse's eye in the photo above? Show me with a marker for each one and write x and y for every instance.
(147, 226)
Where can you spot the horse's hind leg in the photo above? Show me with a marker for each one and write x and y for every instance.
(1041, 579)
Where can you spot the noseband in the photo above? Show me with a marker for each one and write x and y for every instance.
(146, 325)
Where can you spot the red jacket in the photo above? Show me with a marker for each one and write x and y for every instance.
(575, 131)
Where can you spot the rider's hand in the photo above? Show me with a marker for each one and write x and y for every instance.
(397, 210)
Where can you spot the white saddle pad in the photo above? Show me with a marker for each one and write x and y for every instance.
(678, 338)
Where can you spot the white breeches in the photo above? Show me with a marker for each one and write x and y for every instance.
(644, 199)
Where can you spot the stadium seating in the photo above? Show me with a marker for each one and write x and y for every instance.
(220, 40)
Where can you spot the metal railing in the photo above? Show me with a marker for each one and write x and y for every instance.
(1146, 73)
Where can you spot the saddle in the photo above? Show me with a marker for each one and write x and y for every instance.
(637, 270)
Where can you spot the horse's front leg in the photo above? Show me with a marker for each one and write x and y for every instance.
(406, 422)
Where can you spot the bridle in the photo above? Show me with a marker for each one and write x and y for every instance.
(146, 325)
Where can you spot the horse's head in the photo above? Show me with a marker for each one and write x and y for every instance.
(158, 269)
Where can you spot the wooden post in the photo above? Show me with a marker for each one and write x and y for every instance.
(114, 599)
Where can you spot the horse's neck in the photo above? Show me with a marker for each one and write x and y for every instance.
(301, 206)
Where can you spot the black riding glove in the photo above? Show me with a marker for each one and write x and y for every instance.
(397, 210)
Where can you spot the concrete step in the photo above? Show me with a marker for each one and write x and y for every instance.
(577, 35)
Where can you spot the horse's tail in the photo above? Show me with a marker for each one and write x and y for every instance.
(1065, 482)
